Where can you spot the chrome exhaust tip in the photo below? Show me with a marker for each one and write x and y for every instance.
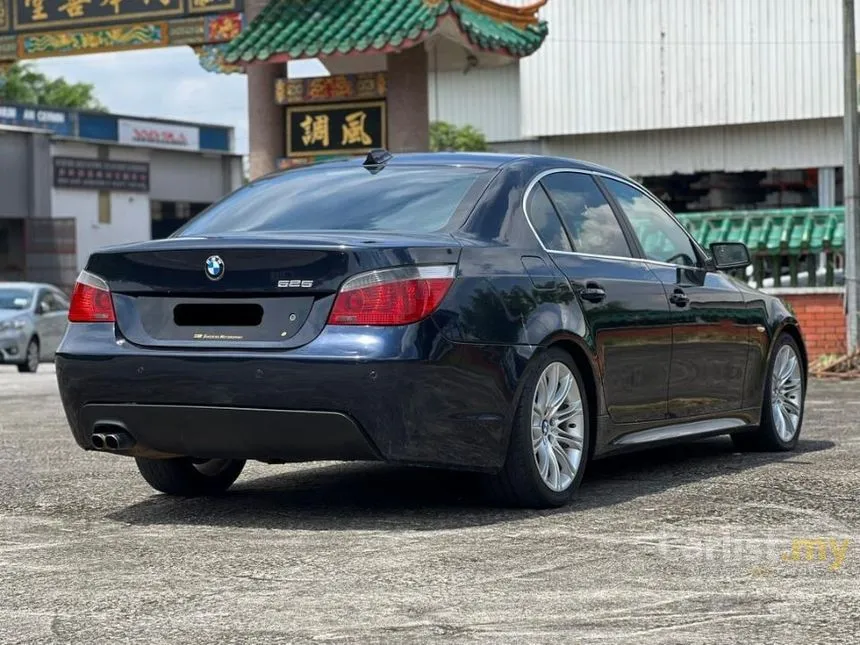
(119, 441)
(98, 441)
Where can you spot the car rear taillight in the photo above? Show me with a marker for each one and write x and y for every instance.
(398, 296)
(91, 300)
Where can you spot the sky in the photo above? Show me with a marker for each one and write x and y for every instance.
(167, 83)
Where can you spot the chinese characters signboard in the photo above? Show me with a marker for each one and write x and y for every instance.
(42, 14)
(337, 128)
(93, 174)
(326, 89)
(36, 28)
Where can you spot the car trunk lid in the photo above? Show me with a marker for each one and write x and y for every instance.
(271, 292)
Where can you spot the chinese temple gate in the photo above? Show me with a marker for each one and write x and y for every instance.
(405, 39)
(380, 52)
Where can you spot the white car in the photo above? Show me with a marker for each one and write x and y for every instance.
(33, 319)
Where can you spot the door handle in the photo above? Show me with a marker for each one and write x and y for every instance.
(679, 298)
(593, 292)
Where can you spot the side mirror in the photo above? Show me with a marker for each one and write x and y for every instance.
(43, 307)
(730, 255)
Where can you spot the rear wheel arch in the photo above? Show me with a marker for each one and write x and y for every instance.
(589, 376)
(794, 331)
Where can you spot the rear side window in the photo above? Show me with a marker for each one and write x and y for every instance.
(589, 218)
(547, 225)
(342, 197)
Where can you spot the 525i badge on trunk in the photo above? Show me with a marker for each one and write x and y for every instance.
(289, 284)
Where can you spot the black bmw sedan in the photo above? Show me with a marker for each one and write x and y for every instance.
(517, 316)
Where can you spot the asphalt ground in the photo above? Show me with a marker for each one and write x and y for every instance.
(688, 544)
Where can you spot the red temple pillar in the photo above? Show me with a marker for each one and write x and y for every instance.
(266, 121)
(408, 101)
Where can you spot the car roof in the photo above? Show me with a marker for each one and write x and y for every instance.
(488, 160)
(26, 285)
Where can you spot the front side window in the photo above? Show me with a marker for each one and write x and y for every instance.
(60, 301)
(545, 220)
(661, 237)
(342, 197)
(46, 302)
(589, 218)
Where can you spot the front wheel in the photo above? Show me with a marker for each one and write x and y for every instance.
(31, 358)
(189, 477)
(782, 406)
(548, 448)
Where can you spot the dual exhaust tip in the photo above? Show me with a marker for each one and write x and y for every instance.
(112, 441)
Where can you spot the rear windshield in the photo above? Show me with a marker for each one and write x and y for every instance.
(341, 197)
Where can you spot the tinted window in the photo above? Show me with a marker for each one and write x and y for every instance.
(46, 302)
(590, 221)
(545, 220)
(60, 301)
(15, 298)
(342, 197)
(661, 237)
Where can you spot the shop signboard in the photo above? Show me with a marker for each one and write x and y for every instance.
(27, 116)
(97, 174)
(155, 134)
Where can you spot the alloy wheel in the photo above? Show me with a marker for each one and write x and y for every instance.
(786, 396)
(32, 357)
(557, 426)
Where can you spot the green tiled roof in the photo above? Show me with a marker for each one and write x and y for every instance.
(295, 29)
(782, 231)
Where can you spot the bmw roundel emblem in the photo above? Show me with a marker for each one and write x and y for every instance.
(214, 267)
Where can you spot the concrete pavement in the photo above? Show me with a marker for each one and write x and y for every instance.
(692, 544)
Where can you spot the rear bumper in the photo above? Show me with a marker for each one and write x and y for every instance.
(238, 433)
(399, 394)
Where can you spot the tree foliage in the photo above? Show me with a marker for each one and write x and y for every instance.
(21, 83)
(447, 137)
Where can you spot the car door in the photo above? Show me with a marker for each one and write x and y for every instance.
(59, 317)
(43, 322)
(710, 329)
(625, 306)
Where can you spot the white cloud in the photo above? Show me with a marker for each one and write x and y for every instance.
(168, 84)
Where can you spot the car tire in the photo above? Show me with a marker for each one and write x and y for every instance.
(31, 359)
(187, 477)
(774, 433)
(525, 478)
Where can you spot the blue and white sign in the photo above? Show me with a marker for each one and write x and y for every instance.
(57, 121)
(102, 126)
